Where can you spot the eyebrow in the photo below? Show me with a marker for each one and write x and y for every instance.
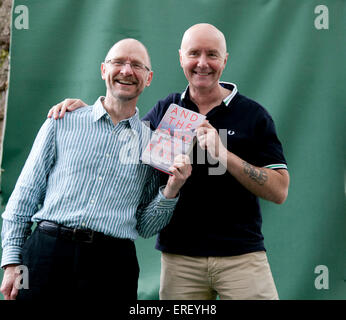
(208, 51)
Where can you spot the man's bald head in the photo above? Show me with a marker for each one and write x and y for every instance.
(133, 46)
(204, 32)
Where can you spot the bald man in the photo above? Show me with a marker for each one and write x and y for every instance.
(89, 198)
(213, 246)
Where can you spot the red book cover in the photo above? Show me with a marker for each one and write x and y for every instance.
(174, 135)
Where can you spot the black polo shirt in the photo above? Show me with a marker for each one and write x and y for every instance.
(216, 215)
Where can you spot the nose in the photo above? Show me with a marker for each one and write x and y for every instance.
(126, 69)
(203, 61)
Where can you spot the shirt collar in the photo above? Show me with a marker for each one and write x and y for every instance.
(99, 111)
(227, 85)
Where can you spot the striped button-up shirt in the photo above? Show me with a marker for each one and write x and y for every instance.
(84, 172)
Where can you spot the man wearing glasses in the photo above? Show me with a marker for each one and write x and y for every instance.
(84, 187)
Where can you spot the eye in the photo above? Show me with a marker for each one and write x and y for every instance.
(213, 55)
(193, 53)
(117, 63)
(137, 66)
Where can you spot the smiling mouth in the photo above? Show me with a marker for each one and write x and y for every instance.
(202, 73)
(125, 82)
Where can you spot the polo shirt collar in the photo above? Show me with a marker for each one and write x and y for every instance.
(99, 111)
(227, 85)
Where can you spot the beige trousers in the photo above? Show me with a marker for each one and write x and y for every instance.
(244, 277)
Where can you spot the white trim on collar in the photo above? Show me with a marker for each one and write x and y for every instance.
(227, 85)
(233, 87)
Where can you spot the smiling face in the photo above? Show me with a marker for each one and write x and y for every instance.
(203, 56)
(123, 81)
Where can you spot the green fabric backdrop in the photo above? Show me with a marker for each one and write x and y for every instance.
(277, 57)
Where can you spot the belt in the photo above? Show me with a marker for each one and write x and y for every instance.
(74, 234)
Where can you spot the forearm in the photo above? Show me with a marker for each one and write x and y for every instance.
(159, 211)
(14, 234)
(156, 215)
(265, 183)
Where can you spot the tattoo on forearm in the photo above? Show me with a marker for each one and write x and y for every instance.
(257, 175)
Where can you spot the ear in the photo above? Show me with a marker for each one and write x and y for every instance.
(149, 79)
(181, 58)
(225, 60)
(103, 70)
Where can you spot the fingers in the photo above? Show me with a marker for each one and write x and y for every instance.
(204, 128)
(58, 109)
(207, 137)
(9, 292)
(55, 110)
(14, 293)
(50, 112)
(8, 288)
(181, 170)
(181, 167)
(205, 124)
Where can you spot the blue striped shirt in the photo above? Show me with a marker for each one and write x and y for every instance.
(84, 172)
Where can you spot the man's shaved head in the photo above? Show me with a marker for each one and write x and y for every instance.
(130, 43)
(204, 31)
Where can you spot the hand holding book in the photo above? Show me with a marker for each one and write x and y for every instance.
(209, 139)
(180, 171)
(174, 135)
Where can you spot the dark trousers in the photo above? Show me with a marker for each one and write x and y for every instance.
(63, 269)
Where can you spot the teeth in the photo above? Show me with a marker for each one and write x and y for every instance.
(124, 81)
(202, 73)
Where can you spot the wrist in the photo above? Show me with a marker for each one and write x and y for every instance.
(10, 265)
(223, 155)
(169, 193)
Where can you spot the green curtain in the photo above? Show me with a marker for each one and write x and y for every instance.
(289, 55)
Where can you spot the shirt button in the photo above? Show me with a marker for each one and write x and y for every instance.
(100, 178)
(92, 201)
(83, 224)
(107, 155)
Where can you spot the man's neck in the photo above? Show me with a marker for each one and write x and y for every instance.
(209, 98)
(118, 109)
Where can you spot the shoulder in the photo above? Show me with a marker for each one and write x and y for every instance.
(81, 114)
(155, 115)
(164, 103)
(250, 106)
(171, 98)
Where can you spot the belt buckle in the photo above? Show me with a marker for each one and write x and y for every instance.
(74, 233)
(89, 233)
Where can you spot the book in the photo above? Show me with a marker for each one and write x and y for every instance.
(175, 134)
